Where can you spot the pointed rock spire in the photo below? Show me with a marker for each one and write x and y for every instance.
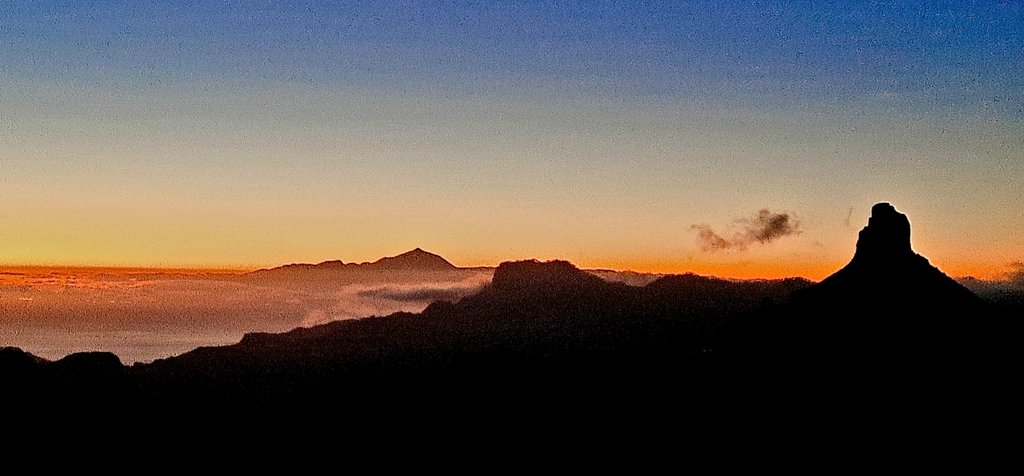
(886, 236)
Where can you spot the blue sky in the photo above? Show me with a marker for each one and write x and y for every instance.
(608, 128)
(622, 49)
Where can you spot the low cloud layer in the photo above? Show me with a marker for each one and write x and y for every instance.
(426, 293)
(764, 228)
(141, 317)
(355, 301)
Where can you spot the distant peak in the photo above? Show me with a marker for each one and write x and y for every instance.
(417, 252)
(416, 259)
(886, 235)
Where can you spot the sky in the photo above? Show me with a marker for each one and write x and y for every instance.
(250, 134)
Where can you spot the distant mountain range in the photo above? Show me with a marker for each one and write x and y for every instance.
(415, 260)
(414, 266)
(411, 266)
(542, 328)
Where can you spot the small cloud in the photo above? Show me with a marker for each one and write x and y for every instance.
(709, 240)
(764, 228)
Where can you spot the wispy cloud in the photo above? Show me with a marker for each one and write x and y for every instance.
(357, 300)
(427, 293)
(763, 228)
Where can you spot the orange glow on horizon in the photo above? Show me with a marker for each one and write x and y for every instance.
(732, 270)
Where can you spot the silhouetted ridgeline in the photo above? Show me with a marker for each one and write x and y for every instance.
(536, 322)
(551, 329)
(83, 378)
(416, 266)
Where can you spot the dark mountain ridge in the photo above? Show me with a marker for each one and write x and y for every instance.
(80, 379)
(549, 328)
(534, 321)
(417, 262)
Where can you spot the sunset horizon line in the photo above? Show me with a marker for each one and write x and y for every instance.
(739, 269)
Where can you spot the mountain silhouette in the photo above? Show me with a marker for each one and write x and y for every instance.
(415, 260)
(412, 266)
(85, 379)
(536, 324)
(552, 277)
(416, 265)
(888, 300)
(547, 335)
(885, 269)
